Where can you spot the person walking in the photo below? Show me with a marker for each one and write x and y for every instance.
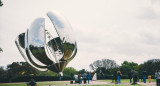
(135, 77)
(88, 77)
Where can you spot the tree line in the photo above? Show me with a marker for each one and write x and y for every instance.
(22, 71)
(108, 67)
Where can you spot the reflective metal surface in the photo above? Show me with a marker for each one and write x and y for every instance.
(54, 54)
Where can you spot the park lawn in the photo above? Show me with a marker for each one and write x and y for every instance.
(13, 84)
(125, 80)
(66, 83)
(63, 83)
(109, 80)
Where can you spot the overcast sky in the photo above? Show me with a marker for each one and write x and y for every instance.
(104, 29)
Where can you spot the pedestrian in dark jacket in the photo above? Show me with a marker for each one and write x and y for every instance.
(130, 76)
(88, 77)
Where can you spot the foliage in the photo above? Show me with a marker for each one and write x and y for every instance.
(105, 66)
(126, 67)
(17, 69)
(2, 72)
(105, 63)
(82, 71)
(69, 70)
(46, 73)
(21, 68)
(21, 71)
(150, 66)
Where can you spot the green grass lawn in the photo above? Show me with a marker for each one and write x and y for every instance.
(125, 80)
(65, 83)
(39, 83)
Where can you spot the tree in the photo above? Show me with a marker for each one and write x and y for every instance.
(105, 66)
(109, 64)
(46, 73)
(17, 69)
(105, 63)
(2, 72)
(82, 71)
(96, 64)
(69, 70)
(126, 67)
(150, 66)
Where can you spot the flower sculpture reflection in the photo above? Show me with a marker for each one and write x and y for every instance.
(54, 54)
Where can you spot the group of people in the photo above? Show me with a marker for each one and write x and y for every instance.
(85, 77)
(117, 76)
(133, 75)
(144, 75)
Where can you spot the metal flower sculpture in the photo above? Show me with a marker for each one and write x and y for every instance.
(53, 55)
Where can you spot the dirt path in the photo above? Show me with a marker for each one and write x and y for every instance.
(92, 83)
(147, 84)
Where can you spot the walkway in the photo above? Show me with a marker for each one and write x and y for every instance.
(92, 83)
(147, 84)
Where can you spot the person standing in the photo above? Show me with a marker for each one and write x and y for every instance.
(135, 77)
(149, 77)
(88, 77)
(92, 75)
(130, 76)
(157, 76)
(112, 78)
(144, 74)
(60, 77)
(84, 75)
(119, 76)
(32, 83)
(115, 77)
(79, 78)
(102, 75)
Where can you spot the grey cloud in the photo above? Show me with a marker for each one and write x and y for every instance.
(148, 14)
(155, 1)
(151, 39)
